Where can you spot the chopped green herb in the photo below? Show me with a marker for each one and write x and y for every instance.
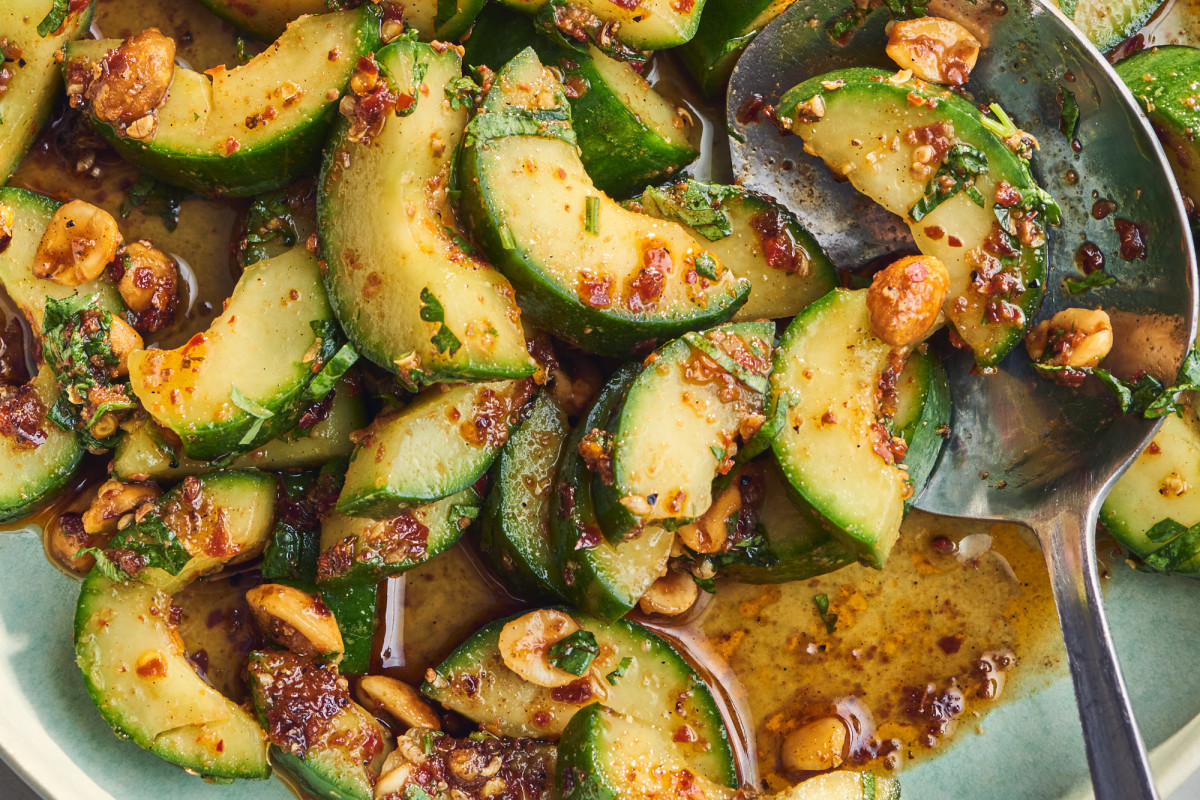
(321, 385)
(461, 91)
(718, 452)
(105, 564)
(268, 220)
(506, 238)
(592, 218)
(414, 792)
(54, 18)
(1093, 279)
(706, 266)
(427, 744)
(549, 123)
(249, 406)
(1181, 547)
(156, 199)
(1068, 121)
(1002, 126)
(155, 543)
(432, 311)
(575, 653)
(822, 603)
(464, 511)
(753, 380)
(240, 46)
(445, 341)
(960, 167)
(696, 204)
(620, 671)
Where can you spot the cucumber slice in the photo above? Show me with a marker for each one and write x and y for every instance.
(437, 446)
(644, 25)
(141, 453)
(441, 20)
(601, 578)
(391, 244)
(31, 216)
(1108, 24)
(922, 416)
(755, 238)
(30, 476)
(33, 82)
(599, 276)
(242, 382)
(801, 549)
(1160, 488)
(658, 688)
(827, 370)
(132, 659)
(355, 550)
(629, 135)
(212, 136)
(263, 19)
(514, 531)
(1161, 79)
(726, 28)
(333, 756)
(604, 755)
(860, 109)
(679, 424)
(844, 785)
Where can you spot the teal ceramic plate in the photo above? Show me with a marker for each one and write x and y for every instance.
(1026, 749)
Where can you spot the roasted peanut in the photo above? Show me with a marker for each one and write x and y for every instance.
(525, 643)
(400, 700)
(78, 244)
(1074, 337)
(815, 746)
(934, 49)
(906, 298)
(299, 621)
(397, 769)
(7, 218)
(709, 532)
(149, 285)
(134, 78)
(124, 340)
(113, 501)
(670, 595)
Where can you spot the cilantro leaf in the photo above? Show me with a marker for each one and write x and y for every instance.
(431, 307)
(961, 165)
(693, 203)
(575, 653)
(461, 91)
(1091, 281)
(620, 671)
(54, 18)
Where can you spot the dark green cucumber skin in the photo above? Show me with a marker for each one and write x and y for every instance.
(713, 51)
(548, 305)
(965, 117)
(616, 521)
(567, 525)
(580, 762)
(520, 554)
(620, 153)
(266, 167)
(926, 436)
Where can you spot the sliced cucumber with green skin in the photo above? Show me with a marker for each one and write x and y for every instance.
(606, 279)
(922, 416)
(1161, 79)
(869, 129)
(1160, 487)
(441, 20)
(335, 757)
(29, 476)
(514, 530)
(242, 382)
(438, 445)
(658, 687)
(391, 243)
(801, 549)
(604, 755)
(827, 370)
(1108, 24)
(629, 135)
(678, 425)
(755, 238)
(645, 25)
(142, 454)
(255, 128)
(844, 785)
(726, 28)
(263, 19)
(32, 213)
(133, 661)
(356, 550)
(33, 81)
(602, 578)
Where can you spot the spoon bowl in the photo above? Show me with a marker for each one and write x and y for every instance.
(1021, 448)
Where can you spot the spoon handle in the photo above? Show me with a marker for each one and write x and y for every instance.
(1115, 753)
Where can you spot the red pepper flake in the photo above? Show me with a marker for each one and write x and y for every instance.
(647, 286)
(954, 241)
(21, 415)
(935, 232)
(778, 246)
(1153, 449)
(595, 291)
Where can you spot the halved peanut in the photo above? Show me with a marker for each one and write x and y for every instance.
(670, 595)
(400, 700)
(124, 340)
(78, 244)
(113, 501)
(525, 643)
(935, 49)
(135, 78)
(709, 532)
(395, 774)
(815, 746)
(906, 298)
(1076, 337)
(149, 277)
(7, 218)
(299, 621)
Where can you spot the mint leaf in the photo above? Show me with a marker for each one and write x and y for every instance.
(1093, 280)
(821, 601)
(693, 203)
(575, 653)
(249, 406)
(431, 308)
(620, 671)
(961, 165)
(54, 19)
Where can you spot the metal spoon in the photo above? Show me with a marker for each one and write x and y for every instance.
(1021, 449)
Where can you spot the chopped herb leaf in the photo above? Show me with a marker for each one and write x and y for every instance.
(414, 792)
(460, 92)
(620, 671)
(693, 203)
(575, 653)
(464, 511)
(249, 406)
(753, 380)
(1180, 550)
(105, 564)
(960, 167)
(706, 266)
(592, 218)
(1068, 121)
(268, 220)
(155, 542)
(445, 341)
(54, 18)
(718, 452)
(550, 123)
(155, 198)
(431, 307)
(822, 603)
(1094, 279)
